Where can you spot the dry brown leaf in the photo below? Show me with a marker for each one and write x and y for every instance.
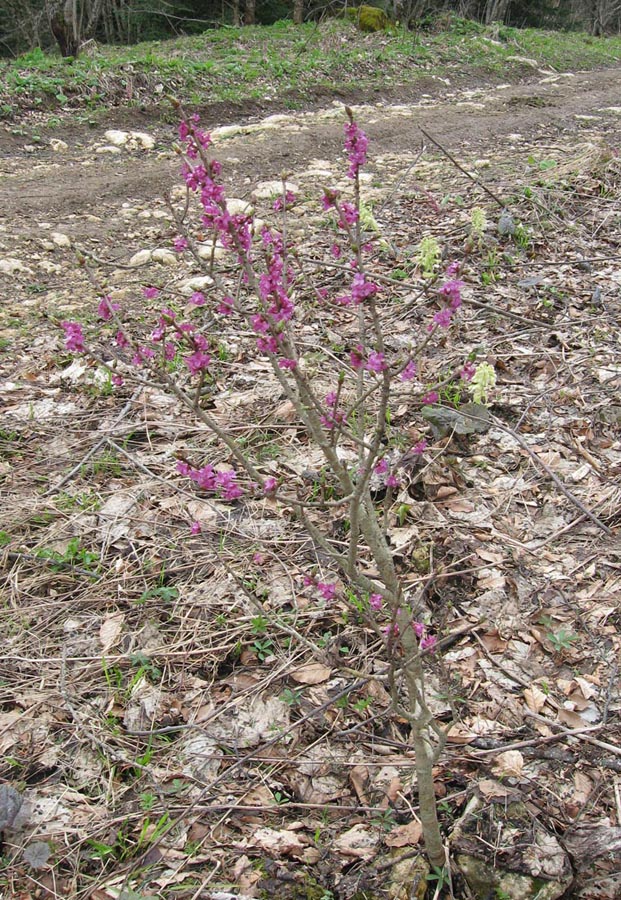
(260, 795)
(404, 835)
(110, 630)
(583, 786)
(359, 841)
(509, 763)
(359, 777)
(569, 718)
(312, 673)
(535, 698)
(490, 788)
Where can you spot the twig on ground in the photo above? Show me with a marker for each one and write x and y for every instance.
(95, 447)
(465, 172)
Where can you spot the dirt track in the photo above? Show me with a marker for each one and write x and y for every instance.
(37, 182)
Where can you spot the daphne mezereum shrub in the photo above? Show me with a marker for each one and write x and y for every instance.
(263, 292)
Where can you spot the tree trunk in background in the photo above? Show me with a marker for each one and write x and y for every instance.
(249, 12)
(72, 22)
(298, 12)
(496, 10)
(63, 19)
(236, 15)
(604, 15)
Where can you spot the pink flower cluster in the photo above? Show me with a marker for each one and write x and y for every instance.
(425, 641)
(284, 202)
(74, 336)
(452, 291)
(325, 588)
(375, 362)
(209, 479)
(356, 144)
(333, 417)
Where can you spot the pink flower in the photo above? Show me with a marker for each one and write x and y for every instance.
(227, 484)
(198, 361)
(267, 345)
(452, 290)
(327, 591)
(419, 448)
(381, 467)
(443, 318)
(409, 372)
(335, 250)
(428, 643)
(260, 324)
(392, 481)
(197, 298)
(150, 293)
(106, 307)
(180, 244)
(391, 631)
(225, 307)
(356, 143)
(258, 558)
(285, 363)
(205, 478)
(269, 485)
(376, 363)
(74, 336)
(280, 203)
(376, 601)
(170, 351)
(361, 288)
(121, 340)
(117, 380)
(431, 397)
(419, 629)
(348, 214)
(195, 528)
(453, 268)
(356, 357)
(329, 199)
(468, 371)
(141, 355)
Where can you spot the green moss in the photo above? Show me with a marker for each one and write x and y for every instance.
(368, 18)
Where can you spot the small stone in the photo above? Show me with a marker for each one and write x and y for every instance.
(143, 140)
(10, 265)
(236, 207)
(58, 146)
(10, 804)
(117, 138)
(198, 283)
(166, 257)
(60, 239)
(140, 258)
(265, 190)
(205, 251)
(107, 148)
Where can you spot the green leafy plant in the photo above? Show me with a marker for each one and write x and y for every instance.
(562, 638)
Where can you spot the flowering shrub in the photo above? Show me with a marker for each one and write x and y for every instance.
(266, 291)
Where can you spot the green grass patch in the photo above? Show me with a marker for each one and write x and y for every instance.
(275, 63)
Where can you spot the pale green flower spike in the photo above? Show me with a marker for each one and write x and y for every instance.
(370, 223)
(478, 223)
(428, 256)
(483, 381)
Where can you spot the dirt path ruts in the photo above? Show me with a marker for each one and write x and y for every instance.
(39, 184)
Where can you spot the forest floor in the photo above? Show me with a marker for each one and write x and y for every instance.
(164, 733)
